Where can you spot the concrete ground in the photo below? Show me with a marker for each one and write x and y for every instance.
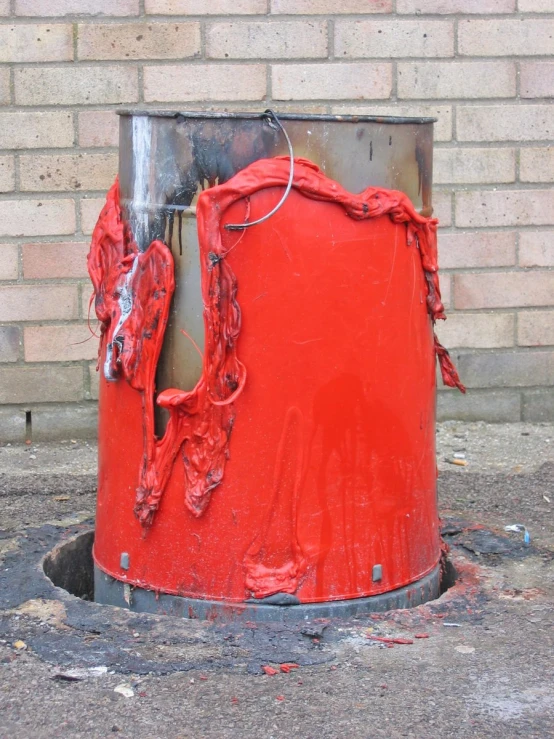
(484, 669)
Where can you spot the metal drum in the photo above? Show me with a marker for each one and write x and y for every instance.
(324, 495)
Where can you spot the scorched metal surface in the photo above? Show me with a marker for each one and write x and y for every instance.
(303, 460)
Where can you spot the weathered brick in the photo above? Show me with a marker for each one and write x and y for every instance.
(538, 406)
(477, 330)
(393, 38)
(506, 369)
(10, 337)
(442, 129)
(201, 7)
(331, 81)
(273, 40)
(505, 122)
(76, 85)
(505, 208)
(456, 79)
(503, 290)
(537, 164)
(474, 166)
(138, 40)
(40, 384)
(59, 343)
(442, 207)
(535, 6)
(33, 130)
(536, 248)
(7, 174)
(98, 128)
(493, 406)
(55, 261)
(57, 8)
(9, 257)
(51, 172)
(90, 210)
(37, 217)
(4, 86)
(446, 7)
(5, 7)
(329, 7)
(38, 302)
(446, 290)
(87, 305)
(523, 36)
(176, 83)
(477, 249)
(94, 378)
(36, 43)
(535, 328)
(536, 79)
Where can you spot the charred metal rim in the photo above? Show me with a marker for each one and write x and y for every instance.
(211, 114)
(109, 591)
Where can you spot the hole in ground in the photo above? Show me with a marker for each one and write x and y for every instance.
(70, 566)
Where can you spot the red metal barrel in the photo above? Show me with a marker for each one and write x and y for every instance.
(299, 468)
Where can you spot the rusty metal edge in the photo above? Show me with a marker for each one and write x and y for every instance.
(283, 116)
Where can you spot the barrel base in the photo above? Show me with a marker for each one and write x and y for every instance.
(109, 591)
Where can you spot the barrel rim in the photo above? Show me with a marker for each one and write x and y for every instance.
(325, 117)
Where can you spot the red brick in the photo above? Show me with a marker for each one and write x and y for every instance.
(535, 6)
(59, 343)
(393, 38)
(36, 43)
(38, 302)
(456, 79)
(267, 40)
(9, 258)
(10, 339)
(503, 290)
(204, 82)
(76, 85)
(536, 79)
(201, 7)
(359, 80)
(7, 174)
(504, 122)
(37, 217)
(537, 164)
(34, 130)
(535, 328)
(455, 6)
(40, 384)
(98, 128)
(55, 261)
(477, 249)
(521, 36)
(477, 330)
(51, 172)
(138, 40)
(446, 290)
(505, 208)
(329, 7)
(536, 248)
(57, 8)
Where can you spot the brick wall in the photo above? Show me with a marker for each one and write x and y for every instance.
(481, 66)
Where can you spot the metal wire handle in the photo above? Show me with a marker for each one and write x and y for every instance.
(274, 122)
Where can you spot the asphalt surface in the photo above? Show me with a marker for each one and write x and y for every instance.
(72, 668)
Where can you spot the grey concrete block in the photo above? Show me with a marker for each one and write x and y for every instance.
(53, 422)
(538, 405)
(505, 369)
(494, 406)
